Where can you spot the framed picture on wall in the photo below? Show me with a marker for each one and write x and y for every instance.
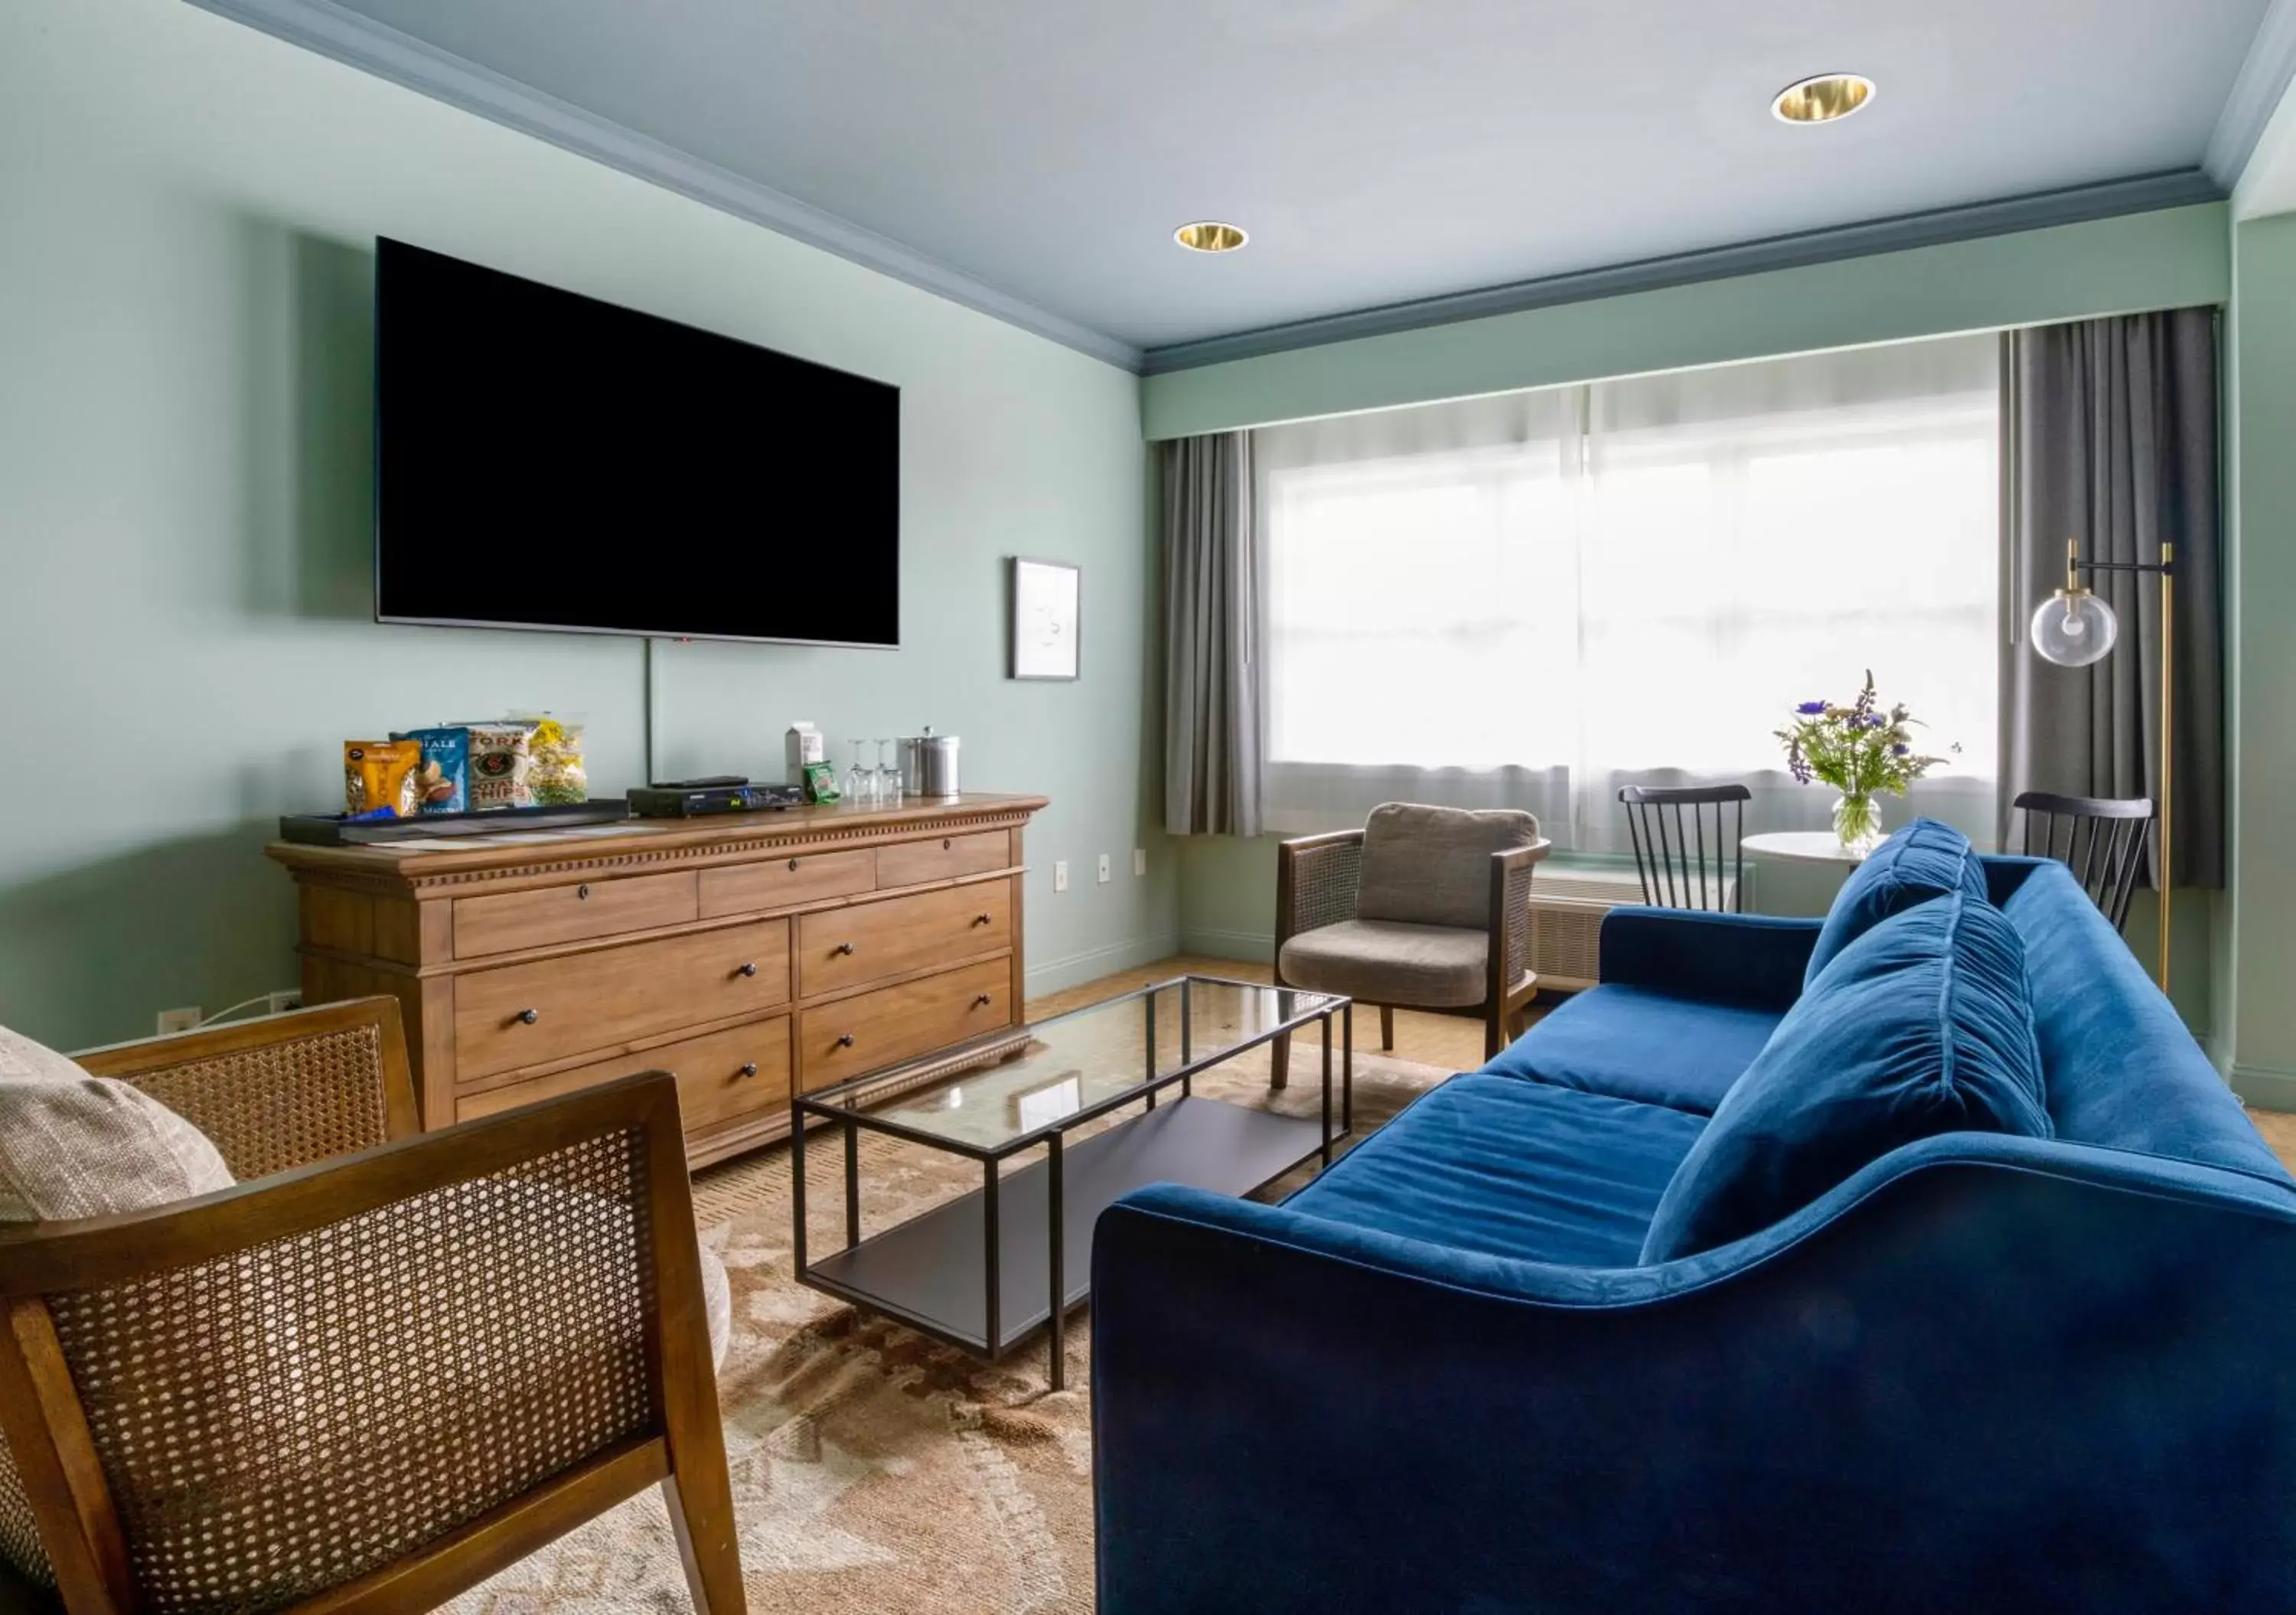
(1047, 597)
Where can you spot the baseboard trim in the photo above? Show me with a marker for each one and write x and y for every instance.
(2264, 1089)
(1258, 947)
(1079, 968)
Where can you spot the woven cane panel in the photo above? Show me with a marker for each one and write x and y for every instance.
(1518, 922)
(284, 1104)
(1324, 883)
(280, 1421)
(20, 1533)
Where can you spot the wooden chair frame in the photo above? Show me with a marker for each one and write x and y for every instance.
(2105, 841)
(49, 1434)
(1662, 860)
(1316, 884)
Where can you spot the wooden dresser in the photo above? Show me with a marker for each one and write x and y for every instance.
(750, 954)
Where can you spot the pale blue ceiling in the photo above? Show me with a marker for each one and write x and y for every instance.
(1379, 150)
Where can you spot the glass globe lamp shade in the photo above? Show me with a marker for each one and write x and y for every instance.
(2074, 628)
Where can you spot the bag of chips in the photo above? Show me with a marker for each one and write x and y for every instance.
(443, 781)
(557, 777)
(379, 776)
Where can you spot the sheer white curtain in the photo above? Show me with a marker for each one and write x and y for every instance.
(1531, 600)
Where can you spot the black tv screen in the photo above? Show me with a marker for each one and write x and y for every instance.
(545, 460)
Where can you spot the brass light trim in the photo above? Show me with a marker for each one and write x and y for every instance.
(1826, 98)
(1210, 236)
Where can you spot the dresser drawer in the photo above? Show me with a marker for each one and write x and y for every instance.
(871, 941)
(722, 1078)
(943, 858)
(522, 1014)
(872, 1030)
(785, 882)
(513, 920)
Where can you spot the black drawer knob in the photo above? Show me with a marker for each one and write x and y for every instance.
(846, 1042)
(582, 894)
(792, 864)
(749, 1068)
(842, 947)
(945, 846)
(748, 970)
(529, 1016)
(980, 919)
(984, 1001)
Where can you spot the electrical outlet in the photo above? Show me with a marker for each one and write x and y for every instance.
(179, 1019)
(286, 998)
(1103, 869)
(1061, 875)
(1139, 860)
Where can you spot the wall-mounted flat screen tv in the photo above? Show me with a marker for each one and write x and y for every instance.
(543, 460)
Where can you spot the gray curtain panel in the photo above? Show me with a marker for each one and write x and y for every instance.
(1213, 746)
(2111, 438)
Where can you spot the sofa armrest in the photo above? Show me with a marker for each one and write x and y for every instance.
(1993, 1379)
(1315, 882)
(1755, 960)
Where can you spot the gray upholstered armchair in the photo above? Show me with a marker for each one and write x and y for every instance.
(1424, 907)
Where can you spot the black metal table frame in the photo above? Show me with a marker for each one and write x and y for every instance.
(825, 1106)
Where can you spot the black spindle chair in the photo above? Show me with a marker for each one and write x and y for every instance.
(1672, 849)
(2100, 838)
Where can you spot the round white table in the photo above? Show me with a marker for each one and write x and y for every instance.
(1801, 847)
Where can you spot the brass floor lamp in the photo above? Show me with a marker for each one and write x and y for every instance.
(2074, 628)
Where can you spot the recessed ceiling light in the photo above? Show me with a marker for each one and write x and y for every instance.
(1210, 235)
(1822, 99)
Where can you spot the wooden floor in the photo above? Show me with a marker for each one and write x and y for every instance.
(1455, 1041)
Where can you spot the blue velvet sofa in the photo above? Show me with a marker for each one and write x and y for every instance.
(1985, 1372)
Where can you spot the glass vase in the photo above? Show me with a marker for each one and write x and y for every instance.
(1858, 823)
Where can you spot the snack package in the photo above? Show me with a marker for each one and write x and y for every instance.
(443, 781)
(502, 759)
(379, 776)
(557, 777)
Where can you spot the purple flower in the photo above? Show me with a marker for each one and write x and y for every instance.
(1900, 749)
(1811, 709)
(1875, 720)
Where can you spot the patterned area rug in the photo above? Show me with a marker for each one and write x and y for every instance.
(877, 1472)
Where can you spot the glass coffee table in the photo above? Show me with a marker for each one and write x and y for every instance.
(985, 1271)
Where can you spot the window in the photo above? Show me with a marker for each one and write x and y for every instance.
(1532, 601)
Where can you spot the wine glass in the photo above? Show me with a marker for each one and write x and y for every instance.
(889, 773)
(860, 783)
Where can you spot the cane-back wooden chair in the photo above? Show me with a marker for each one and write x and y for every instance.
(384, 1367)
(2101, 840)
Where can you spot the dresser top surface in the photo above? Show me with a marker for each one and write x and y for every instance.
(654, 839)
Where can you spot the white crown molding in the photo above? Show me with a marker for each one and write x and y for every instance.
(331, 30)
(2264, 77)
(2080, 204)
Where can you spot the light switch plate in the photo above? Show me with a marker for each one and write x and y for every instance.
(1061, 875)
(1103, 869)
(1139, 860)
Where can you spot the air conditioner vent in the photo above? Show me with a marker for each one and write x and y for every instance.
(1566, 921)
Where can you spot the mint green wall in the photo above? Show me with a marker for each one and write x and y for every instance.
(186, 214)
(2174, 258)
(2257, 1040)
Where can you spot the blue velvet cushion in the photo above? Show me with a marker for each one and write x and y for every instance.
(1923, 1024)
(1506, 1168)
(1926, 859)
(1640, 1043)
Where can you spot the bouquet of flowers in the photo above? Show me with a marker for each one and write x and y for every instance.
(1858, 750)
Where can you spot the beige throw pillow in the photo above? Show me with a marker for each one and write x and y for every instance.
(74, 1145)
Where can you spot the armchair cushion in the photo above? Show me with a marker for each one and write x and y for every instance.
(1433, 866)
(1383, 961)
(1923, 1024)
(73, 1146)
